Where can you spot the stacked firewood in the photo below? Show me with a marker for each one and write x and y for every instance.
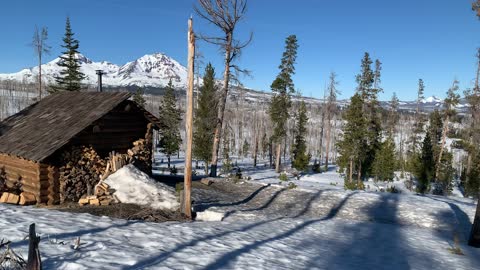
(103, 196)
(80, 173)
(141, 152)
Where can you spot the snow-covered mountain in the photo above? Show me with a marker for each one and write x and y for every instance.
(151, 70)
(432, 99)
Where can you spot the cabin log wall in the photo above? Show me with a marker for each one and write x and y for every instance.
(28, 173)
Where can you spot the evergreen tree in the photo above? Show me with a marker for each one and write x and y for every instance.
(435, 127)
(245, 148)
(444, 184)
(205, 117)
(384, 163)
(368, 88)
(169, 118)
(352, 145)
(417, 130)
(70, 77)
(300, 156)
(138, 97)
(472, 186)
(450, 102)
(366, 78)
(282, 88)
(426, 165)
(393, 115)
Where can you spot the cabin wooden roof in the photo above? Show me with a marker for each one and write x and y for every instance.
(42, 128)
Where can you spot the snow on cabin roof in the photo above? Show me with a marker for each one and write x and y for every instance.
(39, 130)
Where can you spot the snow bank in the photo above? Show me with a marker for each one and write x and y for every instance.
(208, 215)
(134, 186)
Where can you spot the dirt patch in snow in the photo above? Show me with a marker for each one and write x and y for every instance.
(123, 211)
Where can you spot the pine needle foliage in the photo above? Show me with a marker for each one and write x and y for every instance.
(70, 77)
(170, 119)
(205, 116)
(300, 155)
(282, 88)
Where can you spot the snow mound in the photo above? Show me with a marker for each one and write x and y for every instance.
(134, 186)
(208, 215)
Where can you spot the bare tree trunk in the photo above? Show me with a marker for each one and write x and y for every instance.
(189, 123)
(350, 174)
(278, 157)
(359, 176)
(270, 153)
(168, 161)
(39, 76)
(327, 146)
(444, 139)
(255, 150)
(221, 107)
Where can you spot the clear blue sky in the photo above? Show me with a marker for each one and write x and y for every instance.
(430, 39)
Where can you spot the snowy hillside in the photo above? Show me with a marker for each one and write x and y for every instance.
(152, 70)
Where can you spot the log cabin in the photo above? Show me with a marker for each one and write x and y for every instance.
(32, 141)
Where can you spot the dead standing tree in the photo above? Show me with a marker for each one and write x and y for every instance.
(40, 48)
(187, 203)
(224, 14)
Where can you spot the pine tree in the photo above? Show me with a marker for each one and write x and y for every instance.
(245, 148)
(205, 117)
(138, 97)
(352, 145)
(384, 163)
(169, 118)
(472, 186)
(331, 111)
(300, 156)
(435, 127)
(393, 115)
(450, 102)
(70, 77)
(426, 165)
(472, 142)
(282, 88)
(368, 89)
(418, 126)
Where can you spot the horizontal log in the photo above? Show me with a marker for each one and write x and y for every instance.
(19, 169)
(18, 162)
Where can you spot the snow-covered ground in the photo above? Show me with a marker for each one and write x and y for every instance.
(265, 226)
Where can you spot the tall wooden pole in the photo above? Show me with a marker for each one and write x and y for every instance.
(188, 123)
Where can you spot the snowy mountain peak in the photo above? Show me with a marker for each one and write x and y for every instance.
(150, 70)
(432, 99)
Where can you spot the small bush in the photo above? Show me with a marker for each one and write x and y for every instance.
(393, 189)
(179, 187)
(291, 185)
(283, 177)
(226, 166)
(316, 168)
(455, 250)
(333, 184)
(238, 173)
(354, 185)
(173, 170)
(456, 246)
